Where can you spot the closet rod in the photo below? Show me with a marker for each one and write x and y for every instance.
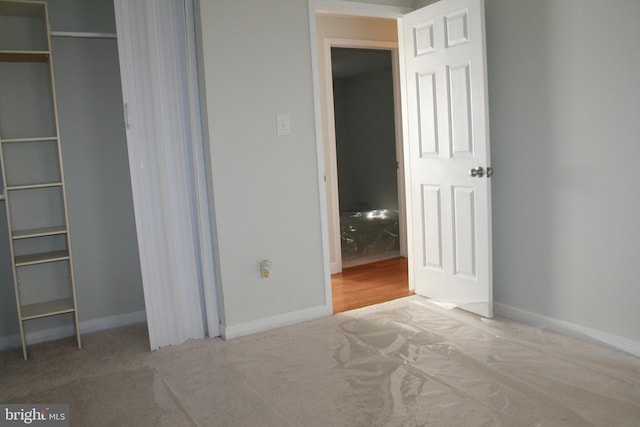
(83, 35)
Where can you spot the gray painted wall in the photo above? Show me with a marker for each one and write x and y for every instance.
(257, 64)
(107, 264)
(94, 149)
(563, 100)
(108, 278)
(563, 93)
(8, 313)
(365, 140)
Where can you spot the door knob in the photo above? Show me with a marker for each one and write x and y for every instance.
(479, 172)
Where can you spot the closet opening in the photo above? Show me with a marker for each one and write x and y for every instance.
(76, 105)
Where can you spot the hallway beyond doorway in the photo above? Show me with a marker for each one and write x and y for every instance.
(370, 284)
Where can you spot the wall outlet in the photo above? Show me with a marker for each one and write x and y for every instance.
(265, 268)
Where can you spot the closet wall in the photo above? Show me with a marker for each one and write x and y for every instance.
(94, 151)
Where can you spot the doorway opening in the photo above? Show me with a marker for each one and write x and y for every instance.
(369, 284)
(368, 162)
(446, 104)
(365, 155)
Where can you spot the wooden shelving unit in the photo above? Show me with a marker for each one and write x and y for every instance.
(34, 191)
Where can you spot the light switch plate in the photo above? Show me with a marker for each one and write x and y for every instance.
(283, 123)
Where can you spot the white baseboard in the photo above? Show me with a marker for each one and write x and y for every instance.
(86, 326)
(567, 328)
(335, 267)
(234, 331)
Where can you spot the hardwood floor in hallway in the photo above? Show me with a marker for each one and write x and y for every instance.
(370, 284)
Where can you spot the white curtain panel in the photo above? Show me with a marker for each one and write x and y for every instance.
(156, 43)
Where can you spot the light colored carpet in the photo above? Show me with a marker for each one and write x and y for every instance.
(402, 363)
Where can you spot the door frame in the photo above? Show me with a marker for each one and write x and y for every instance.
(358, 9)
(329, 144)
(345, 7)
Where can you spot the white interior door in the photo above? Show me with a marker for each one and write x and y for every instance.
(446, 120)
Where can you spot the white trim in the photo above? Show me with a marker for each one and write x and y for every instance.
(322, 193)
(333, 192)
(86, 327)
(566, 328)
(344, 7)
(399, 135)
(408, 201)
(80, 35)
(331, 169)
(261, 325)
(339, 7)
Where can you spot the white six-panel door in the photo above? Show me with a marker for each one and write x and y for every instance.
(448, 138)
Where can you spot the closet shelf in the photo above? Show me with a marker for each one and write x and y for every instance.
(37, 139)
(38, 232)
(24, 56)
(35, 164)
(83, 35)
(34, 186)
(22, 9)
(41, 258)
(48, 308)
